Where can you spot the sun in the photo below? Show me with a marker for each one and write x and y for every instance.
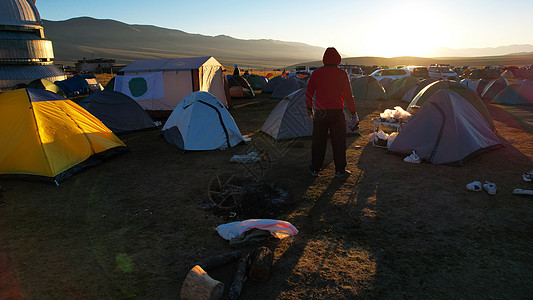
(410, 29)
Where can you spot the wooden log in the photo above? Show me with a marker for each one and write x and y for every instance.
(219, 260)
(240, 277)
(261, 263)
(199, 286)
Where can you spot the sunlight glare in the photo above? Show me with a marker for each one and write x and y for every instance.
(410, 29)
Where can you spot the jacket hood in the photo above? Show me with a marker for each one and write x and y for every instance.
(331, 57)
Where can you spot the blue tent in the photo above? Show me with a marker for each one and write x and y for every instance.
(74, 85)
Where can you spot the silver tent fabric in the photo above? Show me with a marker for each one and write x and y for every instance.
(289, 118)
(446, 129)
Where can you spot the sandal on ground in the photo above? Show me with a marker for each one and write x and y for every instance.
(527, 177)
(474, 186)
(490, 188)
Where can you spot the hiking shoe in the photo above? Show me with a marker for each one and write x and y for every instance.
(413, 158)
(313, 173)
(344, 173)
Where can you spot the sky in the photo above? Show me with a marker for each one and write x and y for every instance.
(356, 27)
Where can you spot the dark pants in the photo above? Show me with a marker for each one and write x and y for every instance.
(332, 121)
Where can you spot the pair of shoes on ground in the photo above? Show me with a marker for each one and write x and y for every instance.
(528, 176)
(343, 174)
(413, 158)
(476, 186)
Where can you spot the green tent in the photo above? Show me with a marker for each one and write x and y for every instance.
(44, 84)
(367, 88)
(400, 86)
(458, 88)
(257, 82)
(110, 86)
(518, 93)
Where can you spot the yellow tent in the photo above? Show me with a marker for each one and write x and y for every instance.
(43, 134)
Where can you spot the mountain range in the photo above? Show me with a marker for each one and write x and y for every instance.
(77, 38)
(87, 37)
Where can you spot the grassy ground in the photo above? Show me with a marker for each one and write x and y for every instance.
(131, 227)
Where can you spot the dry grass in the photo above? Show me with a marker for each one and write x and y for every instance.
(129, 228)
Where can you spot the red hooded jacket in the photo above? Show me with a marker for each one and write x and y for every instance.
(330, 84)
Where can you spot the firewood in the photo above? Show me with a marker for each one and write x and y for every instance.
(199, 286)
(219, 260)
(240, 277)
(261, 263)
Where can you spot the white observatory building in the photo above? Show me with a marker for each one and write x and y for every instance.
(25, 53)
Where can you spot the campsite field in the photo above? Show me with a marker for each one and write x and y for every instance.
(130, 227)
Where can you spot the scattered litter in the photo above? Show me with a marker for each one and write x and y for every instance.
(490, 188)
(394, 115)
(158, 123)
(247, 138)
(375, 137)
(249, 158)
(279, 229)
(391, 139)
(523, 192)
(413, 158)
(474, 186)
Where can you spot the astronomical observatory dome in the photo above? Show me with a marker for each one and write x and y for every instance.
(25, 53)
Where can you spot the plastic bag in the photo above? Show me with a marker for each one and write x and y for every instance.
(249, 158)
(376, 136)
(391, 139)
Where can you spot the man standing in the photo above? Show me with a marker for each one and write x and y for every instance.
(330, 86)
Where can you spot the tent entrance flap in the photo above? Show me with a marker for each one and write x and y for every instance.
(221, 121)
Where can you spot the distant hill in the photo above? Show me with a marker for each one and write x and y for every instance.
(477, 52)
(516, 59)
(76, 38)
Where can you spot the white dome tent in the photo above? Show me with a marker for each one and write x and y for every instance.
(201, 122)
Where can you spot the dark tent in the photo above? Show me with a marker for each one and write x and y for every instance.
(273, 84)
(288, 86)
(518, 93)
(465, 92)
(256, 82)
(408, 97)
(367, 88)
(446, 129)
(481, 84)
(400, 86)
(484, 73)
(386, 83)
(493, 88)
(239, 88)
(110, 86)
(92, 81)
(74, 85)
(44, 84)
(117, 111)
